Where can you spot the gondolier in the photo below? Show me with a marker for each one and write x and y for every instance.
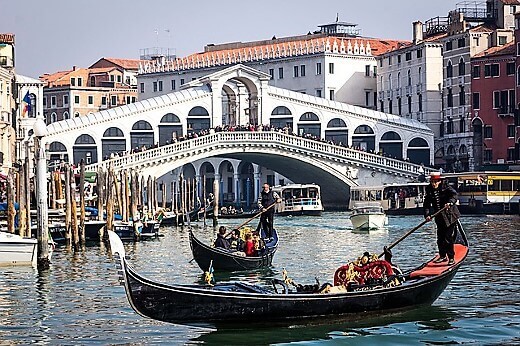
(437, 196)
(267, 198)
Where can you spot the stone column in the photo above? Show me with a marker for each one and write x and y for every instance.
(236, 181)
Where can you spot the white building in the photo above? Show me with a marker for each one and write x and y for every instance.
(333, 63)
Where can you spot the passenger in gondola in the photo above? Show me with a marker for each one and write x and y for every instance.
(249, 247)
(236, 243)
(221, 241)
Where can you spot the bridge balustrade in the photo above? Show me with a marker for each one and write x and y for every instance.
(284, 141)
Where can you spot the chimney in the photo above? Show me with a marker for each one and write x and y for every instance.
(73, 67)
(417, 32)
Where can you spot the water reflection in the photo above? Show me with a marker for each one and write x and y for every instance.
(79, 299)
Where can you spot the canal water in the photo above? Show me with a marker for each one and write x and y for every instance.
(79, 301)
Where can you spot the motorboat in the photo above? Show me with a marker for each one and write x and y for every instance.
(367, 216)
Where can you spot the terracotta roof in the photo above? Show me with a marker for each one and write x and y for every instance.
(510, 2)
(127, 64)
(101, 69)
(272, 49)
(507, 49)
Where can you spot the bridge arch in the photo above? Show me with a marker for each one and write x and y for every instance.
(85, 148)
(364, 138)
(309, 123)
(337, 131)
(418, 151)
(391, 145)
(113, 141)
(170, 128)
(141, 135)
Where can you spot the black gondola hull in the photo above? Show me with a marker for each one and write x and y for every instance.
(224, 260)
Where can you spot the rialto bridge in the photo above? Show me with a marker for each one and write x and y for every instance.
(360, 146)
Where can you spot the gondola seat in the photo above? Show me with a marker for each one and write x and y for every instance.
(361, 275)
(432, 269)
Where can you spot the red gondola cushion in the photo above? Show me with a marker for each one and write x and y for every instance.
(374, 270)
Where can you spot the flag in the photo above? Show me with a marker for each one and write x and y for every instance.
(26, 104)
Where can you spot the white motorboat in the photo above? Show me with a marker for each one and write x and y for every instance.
(368, 216)
(299, 199)
(15, 250)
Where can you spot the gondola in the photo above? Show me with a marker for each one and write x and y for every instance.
(172, 218)
(240, 302)
(225, 260)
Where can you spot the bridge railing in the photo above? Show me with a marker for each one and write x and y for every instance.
(241, 138)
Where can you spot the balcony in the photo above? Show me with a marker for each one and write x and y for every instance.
(461, 80)
(448, 83)
(418, 88)
(506, 111)
(381, 95)
(408, 90)
(398, 92)
(389, 94)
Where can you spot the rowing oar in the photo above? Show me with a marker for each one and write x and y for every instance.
(388, 248)
(251, 218)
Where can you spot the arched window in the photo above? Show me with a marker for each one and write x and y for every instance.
(409, 77)
(85, 139)
(54, 117)
(462, 67)
(364, 130)
(113, 132)
(309, 116)
(142, 125)
(398, 80)
(449, 70)
(418, 143)
(336, 122)
(281, 110)
(391, 136)
(66, 115)
(198, 111)
(170, 118)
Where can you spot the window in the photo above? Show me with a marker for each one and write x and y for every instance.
(182, 81)
(409, 105)
(318, 68)
(399, 106)
(331, 95)
(141, 87)
(119, 78)
(488, 155)
(449, 97)
(476, 41)
(103, 100)
(296, 72)
(461, 42)
(491, 70)
(511, 131)
(53, 101)
(80, 81)
(367, 70)
(462, 67)
(154, 87)
(382, 106)
(271, 73)
(280, 73)
(476, 101)
(496, 99)
(302, 70)
(518, 49)
(76, 99)
(510, 68)
(44, 102)
(419, 53)
(318, 92)
(389, 60)
(420, 102)
(476, 71)
(367, 98)
(331, 68)
(462, 96)
(128, 100)
(449, 127)
(173, 84)
(399, 59)
(511, 156)
(449, 46)
(390, 107)
(408, 56)
(73, 81)
(488, 131)
(65, 100)
(502, 40)
(113, 100)
(449, 70)
(160, 85)
(90, 100)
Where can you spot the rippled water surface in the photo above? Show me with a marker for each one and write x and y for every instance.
(79, 301)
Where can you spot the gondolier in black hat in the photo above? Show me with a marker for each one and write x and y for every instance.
(437, 196)
(267, 198)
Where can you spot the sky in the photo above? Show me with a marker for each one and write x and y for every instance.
(54, 35)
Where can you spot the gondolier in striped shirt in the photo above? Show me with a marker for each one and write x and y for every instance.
(438, 196)
(267, 198)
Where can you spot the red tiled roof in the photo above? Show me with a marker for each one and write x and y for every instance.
(127, 64)
(507, 49)
(510, 2)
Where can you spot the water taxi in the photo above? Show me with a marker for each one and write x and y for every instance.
(395, 198)
(487, 192)
(367, 216)
(299, 199)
